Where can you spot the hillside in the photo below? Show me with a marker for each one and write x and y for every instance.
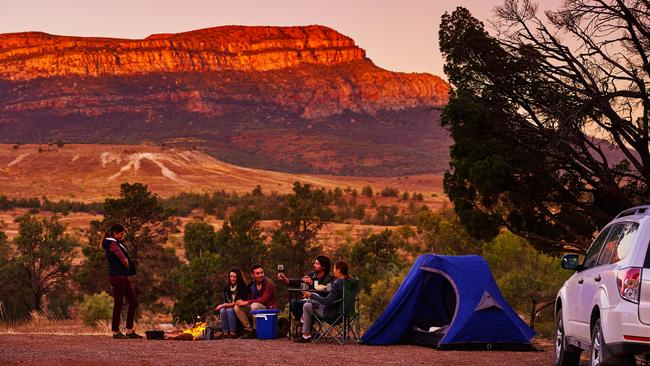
(93, 172)
(294, 99)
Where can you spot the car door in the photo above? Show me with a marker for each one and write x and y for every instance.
(644, 299)
(592, 277)
(610, 258)
(572, 303)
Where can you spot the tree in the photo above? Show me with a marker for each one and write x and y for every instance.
(43, 260)
(91, 274)
(240, 240)
(375, 257)
(199, 238)
(4, 249)
(295, 242)
(11, 306)
(136, 208)
(148, 227)
(550, 140)
(443, 234)
(385, 215)
(200, 286)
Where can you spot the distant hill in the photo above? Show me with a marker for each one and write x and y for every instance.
(93, 172)
(293, 99)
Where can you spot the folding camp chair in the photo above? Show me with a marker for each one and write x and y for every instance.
(345, 324)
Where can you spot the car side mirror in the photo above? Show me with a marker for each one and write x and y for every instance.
(570, 262)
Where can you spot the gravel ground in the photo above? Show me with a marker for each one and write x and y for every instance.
(57, 350)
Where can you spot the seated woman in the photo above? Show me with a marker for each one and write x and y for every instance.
(323, 306)
(235, 289)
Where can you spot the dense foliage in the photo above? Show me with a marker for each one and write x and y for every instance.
(380, 259)
(549, 119)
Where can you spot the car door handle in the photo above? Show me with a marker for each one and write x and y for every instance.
(597, 278)
(580, 281)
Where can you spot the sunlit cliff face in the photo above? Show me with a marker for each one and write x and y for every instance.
(25, 56)
(299, 99)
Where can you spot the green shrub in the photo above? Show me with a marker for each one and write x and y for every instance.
(526, 277)
(96, 307)
(374, 302)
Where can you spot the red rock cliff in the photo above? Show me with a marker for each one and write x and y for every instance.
(300, 99)
(30, 55)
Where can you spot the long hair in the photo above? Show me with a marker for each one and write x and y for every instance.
(241, 280)
(117, 228)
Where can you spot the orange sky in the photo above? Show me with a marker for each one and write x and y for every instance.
(399, 35)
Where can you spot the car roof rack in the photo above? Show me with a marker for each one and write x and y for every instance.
(638, 210)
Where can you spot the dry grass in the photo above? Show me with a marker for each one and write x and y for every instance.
(43, 323)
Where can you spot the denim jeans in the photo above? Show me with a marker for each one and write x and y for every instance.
(228, 320)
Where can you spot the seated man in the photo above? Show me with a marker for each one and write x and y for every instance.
(262, 296)
(323, 306)
(317, 280)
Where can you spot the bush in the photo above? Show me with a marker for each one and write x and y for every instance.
(375, 301)
(526, 277)
(390, 192)
(96, 307)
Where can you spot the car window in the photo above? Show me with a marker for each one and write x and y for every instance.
(626, 242)
(592, 255)
(609, 248)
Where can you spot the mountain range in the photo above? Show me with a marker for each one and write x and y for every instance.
(293, 99)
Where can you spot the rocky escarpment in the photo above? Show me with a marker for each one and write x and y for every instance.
(341, 79)
(25, 56)
(309, 91)
(298, 99)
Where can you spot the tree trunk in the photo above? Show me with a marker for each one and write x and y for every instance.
(532, 314)
(38, 306)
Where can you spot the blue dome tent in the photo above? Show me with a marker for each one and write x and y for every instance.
(454, 301)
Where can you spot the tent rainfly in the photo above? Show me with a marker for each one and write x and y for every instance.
(450, 302)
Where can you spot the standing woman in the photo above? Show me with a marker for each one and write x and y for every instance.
(234, 289)
(120, 268)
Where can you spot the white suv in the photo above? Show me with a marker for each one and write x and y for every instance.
(604, 307)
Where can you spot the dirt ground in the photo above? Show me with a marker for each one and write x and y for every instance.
(58, 350)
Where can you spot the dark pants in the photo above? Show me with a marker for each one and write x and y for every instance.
(296, 308)
(122, 288)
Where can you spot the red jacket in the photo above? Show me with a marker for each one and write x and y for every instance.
(266, 296)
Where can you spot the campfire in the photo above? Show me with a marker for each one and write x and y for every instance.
(197, 330)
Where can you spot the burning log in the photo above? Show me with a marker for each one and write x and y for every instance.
(197, 331)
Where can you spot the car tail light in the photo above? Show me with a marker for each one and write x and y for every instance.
(628, 281)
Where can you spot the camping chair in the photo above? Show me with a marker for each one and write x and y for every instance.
(345, 324)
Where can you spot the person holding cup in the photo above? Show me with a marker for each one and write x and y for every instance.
(316, 280)
(323, 306)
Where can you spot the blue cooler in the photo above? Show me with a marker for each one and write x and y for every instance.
(265, 322)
